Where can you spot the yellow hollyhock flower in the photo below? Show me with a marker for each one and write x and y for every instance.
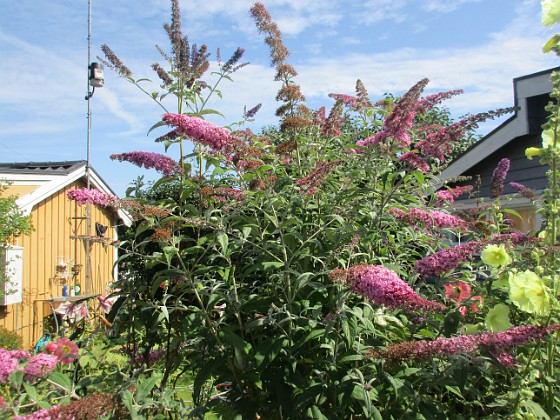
(550, 12)
(498, 318)
(495, 256)
(528, 293)
(531, 152)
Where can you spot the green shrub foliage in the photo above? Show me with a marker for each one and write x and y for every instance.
(312, 270)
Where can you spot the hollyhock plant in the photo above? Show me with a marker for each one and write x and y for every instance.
(458, 291)
(495, 256)
(384, 287)
(66, 351)
(528, 292)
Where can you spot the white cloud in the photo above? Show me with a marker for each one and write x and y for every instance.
(445, 6)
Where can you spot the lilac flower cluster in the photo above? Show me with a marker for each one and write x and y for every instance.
(348, 100)
(384, 287)
(499, 177)
(448, 259)
(93, 196)
(42, 414)
(400, 120)
(198, 130)
(432, 218)
(223, 193)
(499, 344)
(148, 160)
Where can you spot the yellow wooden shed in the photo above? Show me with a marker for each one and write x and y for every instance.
(72, 249)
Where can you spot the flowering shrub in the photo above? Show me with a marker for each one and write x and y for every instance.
(308, 272)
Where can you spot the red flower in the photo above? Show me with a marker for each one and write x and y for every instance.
(66, 351)
(457, 291)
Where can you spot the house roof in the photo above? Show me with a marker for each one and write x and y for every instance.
(36, 181)
(518, 125)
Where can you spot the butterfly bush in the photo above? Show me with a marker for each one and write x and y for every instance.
(197, 129)
(161, 163)
(384, 287)
(499, 344)
(90, 195)
(448, 259)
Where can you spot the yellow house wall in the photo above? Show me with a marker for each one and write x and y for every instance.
(56, 220)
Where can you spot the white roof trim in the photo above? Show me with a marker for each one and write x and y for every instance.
(516, 126)
(57, 182)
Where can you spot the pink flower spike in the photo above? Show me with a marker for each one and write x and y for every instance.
(93, 196)
(199, 130)
(148, 160)
(384, 287)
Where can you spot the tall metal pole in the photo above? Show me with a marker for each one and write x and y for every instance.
(88, 215)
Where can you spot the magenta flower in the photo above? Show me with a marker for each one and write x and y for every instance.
(315, 178)
(400, 120)
(448, 259)
(523, 190)
(499, 177)
(199, 130)
(427, 103)
(432, 218)
(438, 143)
(384, 287)
(148, 160)
(93, 196)
(66, 351)
(498, 344)
(414, 160)
(39, 366)
(8, 364)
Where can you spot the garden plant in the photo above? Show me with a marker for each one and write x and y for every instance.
(317, 269)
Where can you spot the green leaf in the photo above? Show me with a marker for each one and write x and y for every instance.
(145, 387)
(62, 380)
(31, 391)
(156, 125)
(454, 390)
(223, 240)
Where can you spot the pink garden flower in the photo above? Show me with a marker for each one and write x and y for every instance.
(415, 160)
(93, 196)
(39, 366)
(427, 103)
(448, 259)
(498, 344)
(197, 129)
(384, 287)
(8, 364)
(432, 218)
(148, 160)
(458, 291)
(400, 120)
(66, 351)
(499, 177)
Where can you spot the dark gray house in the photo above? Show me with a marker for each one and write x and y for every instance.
(509, 140)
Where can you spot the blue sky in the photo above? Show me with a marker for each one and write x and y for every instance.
(475, 45)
